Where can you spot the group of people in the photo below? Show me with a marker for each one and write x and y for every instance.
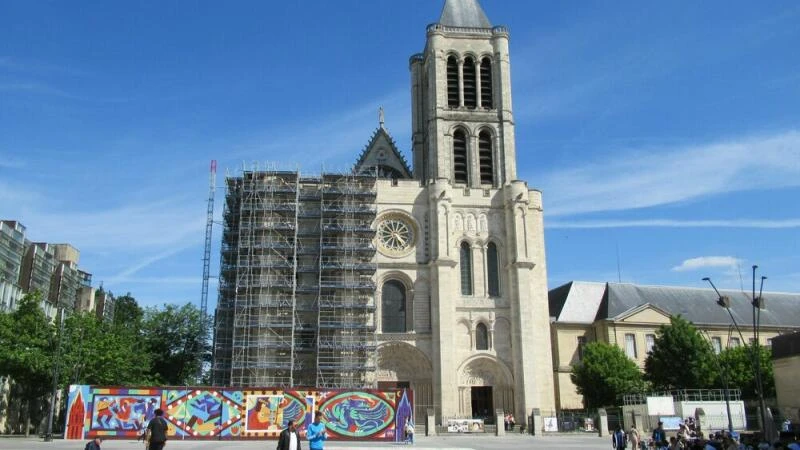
(689, 437)
(509, 421)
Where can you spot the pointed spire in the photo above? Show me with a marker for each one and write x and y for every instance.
(381, 118)
(465, 14)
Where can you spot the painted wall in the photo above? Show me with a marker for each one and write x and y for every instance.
(233, 413)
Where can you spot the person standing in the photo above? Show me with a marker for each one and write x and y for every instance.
(316, 434)
(157, 431)
(289, 439)
(94, 444)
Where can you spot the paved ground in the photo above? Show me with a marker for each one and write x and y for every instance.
(457, 442)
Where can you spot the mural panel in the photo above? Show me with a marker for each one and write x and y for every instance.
(228, 413)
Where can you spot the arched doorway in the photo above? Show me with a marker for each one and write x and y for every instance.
(484, 385)
(401, 365)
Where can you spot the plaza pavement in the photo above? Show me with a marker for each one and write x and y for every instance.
(448, 442)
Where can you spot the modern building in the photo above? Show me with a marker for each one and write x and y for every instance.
(50, 269)
(431, 276)
(12, 245)
(786, 367)
(629, 315)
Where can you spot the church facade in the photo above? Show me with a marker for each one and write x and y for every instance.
(455, 290)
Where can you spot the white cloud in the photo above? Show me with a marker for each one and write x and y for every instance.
(657, 176)
(702, 262)
(670, 223)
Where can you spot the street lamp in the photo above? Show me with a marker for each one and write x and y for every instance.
(724, 373)
(757, 302)
(56, 365)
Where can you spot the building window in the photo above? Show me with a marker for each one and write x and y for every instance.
(649, 342)
(492, 270)
(752, 342)
(734, 342)
(630, 346)
(481, 337)
(452, 82)
(716, 344)
(393, 307)
(769, 342)
(470, 83)
(581, 345)
(460, 164)
(486, 83)
(485, 159)
(465, 258)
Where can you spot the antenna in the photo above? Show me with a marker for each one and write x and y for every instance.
(619, 272)
(212, 181)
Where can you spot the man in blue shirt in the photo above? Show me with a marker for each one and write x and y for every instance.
(316, 433)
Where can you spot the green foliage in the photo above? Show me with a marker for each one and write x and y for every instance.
(128, 314)
(178, 342)
(27, 344)
(681, 358)
(97, 352)
(737, 364)
(604, 373)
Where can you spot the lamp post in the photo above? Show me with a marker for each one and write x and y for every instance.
(757, 302)
(724, 373)
(49, 433)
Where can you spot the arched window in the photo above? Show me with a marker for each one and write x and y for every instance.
(465, 258)
(393, 307)
(485, 159)
(492, 270)
(486, 83)
(470, 83)
(460, 165)
(452, 82)
(481, 337)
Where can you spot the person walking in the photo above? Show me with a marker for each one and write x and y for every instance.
(157, 431)
(94, 444)
(618, 440)
(409, 431)
(634, 438)
(289, 439)
(316, 434)
(659, 436)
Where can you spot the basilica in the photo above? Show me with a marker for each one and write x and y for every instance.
(430, 276)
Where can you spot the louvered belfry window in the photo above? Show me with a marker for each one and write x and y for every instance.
(452, 82)
(486, 83)
(470, 84)
(485, 157)
(460, 163)
(465, 260)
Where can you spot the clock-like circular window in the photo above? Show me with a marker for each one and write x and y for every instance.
(396, 235)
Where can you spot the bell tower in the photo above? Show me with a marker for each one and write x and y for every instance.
(462, 121)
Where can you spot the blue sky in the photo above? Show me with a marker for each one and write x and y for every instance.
(665, 136)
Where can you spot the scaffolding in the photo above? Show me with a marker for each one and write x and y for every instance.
(296, 303)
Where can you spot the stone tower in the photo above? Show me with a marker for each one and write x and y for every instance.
(461, 302)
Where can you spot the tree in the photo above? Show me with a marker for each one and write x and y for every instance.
(128, 314)
(604, 373)
(27, 344)
(177, 338)
(681, 358)
(97, 352)
(737, 364)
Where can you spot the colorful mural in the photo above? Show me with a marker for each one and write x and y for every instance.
(228, 413)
